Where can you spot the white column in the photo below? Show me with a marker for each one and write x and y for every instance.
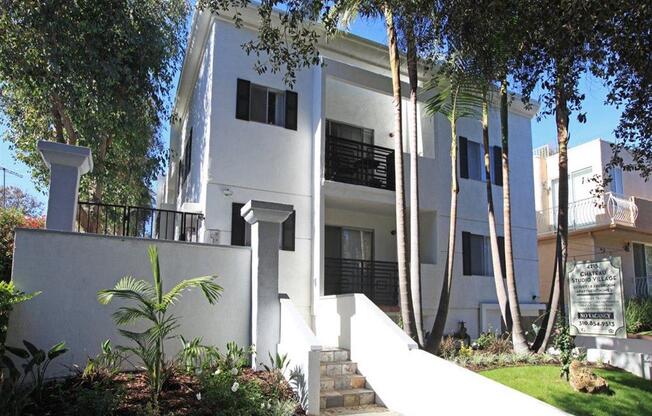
(67, 163)
(265, 219)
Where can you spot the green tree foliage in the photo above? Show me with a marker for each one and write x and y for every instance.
(94, 73)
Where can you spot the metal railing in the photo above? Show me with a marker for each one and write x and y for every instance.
(609, 209)
(134, 221)
(642, 286)
(359, 163)
(378, 280)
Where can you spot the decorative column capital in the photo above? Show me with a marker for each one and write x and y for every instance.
(255, 211)
(54, 153)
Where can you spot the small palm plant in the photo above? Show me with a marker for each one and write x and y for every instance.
(150, 304)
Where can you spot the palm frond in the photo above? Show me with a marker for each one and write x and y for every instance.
(156, 272)
(163, 329)
(126, 288)
(211, 290)
(126, 315)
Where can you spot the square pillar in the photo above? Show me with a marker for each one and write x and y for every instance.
(265, 219)
(66, 163)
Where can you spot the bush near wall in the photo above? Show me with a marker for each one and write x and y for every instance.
(638, 315)
(9, 220)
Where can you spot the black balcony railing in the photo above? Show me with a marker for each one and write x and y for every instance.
(359, 163)
(378, 280)
(143, 222)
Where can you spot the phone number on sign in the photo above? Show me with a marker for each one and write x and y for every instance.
(597, 323)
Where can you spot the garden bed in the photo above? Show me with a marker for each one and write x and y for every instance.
(128, 394)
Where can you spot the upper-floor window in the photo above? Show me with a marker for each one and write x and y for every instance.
(472, 161)
(476, 255)
(266, 105)
(349, 132)
(616, 184)
(187, 158)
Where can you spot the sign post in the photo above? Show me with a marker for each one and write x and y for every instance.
(595, 290)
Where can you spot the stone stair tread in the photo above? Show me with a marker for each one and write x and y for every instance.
(358, 410)
(342, 392)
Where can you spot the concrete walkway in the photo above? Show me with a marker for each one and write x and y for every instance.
(370, 410)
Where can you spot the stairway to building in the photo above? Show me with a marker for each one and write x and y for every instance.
(344, 391)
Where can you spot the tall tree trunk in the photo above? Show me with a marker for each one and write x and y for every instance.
(518, 335)
(493, 236)
(415, 256)
(438, 327)
(557, 304)
(407, 314)
(58, 124)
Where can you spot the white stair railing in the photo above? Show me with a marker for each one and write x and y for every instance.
(621, 209)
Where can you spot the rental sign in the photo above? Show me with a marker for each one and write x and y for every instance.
(595, 289)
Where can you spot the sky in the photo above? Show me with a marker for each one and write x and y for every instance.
(601, 119)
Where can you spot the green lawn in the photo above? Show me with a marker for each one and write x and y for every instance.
(630, 395)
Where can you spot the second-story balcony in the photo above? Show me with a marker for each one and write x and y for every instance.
(359, 163)
(610, 209)
(378, 280)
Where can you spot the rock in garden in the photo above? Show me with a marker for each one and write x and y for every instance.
(582, 379)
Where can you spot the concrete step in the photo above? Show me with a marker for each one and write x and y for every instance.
(329, 354)
(338, 368)
(370, 410)
(342, 382)
(346, 398)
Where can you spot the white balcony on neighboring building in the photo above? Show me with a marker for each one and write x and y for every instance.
(610, 209)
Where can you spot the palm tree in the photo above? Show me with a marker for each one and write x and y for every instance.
(415, 255)
(518, 335)
(347, 11)
(150, 304)
(407, 311)
(493, 236)
(457, 96)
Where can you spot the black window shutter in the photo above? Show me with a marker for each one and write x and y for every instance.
(501, 254)
(466, 253)
(464, 157)
(287, 232)
(498, 165)
(291, 104)
(242, 100)
(237, 225)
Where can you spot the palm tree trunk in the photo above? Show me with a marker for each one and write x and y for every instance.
(415, 256)
(407, 314)
(557, 304)
(438, 327)
(501, 295)
(518, 335)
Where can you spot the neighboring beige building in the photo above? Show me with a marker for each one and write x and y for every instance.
(616, 223)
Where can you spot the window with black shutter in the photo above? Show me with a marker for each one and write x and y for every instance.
(463, 155)
(241, 229)
(187, 158)
(497, 165)
(266, 105)
(291, 109)
(238, 226)
(476, 255)
(288, 232)
(471, 155)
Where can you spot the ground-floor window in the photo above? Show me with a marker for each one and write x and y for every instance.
(642, 268)
(241, 229)
(476, 255)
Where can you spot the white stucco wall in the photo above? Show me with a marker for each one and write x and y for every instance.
(72, 268)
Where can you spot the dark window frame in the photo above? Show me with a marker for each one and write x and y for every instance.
(495, 160)
(241, 229)
(244, 104)
(467, 255)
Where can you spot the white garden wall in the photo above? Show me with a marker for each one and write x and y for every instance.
(69, 268)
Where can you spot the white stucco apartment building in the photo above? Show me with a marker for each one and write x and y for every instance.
(324, 147)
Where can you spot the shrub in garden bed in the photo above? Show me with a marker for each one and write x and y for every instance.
(638, 315)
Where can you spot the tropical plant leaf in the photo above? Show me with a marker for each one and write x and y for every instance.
(57, 350)
(126, 314)
(156, 273)
(18, 352)
(127, 288)
(211, 290)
